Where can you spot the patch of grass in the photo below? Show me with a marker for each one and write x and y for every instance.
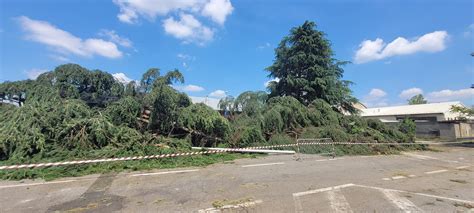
(52, 173)
(225, 202)
(458, 181)
(400, 174)
(158, 201)
(254, 185)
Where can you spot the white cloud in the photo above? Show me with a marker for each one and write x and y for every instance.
(377, 93)
(375, 50)
(66, 43)
(375, 98)
(451, 95)
(113, 37)
(34, 73)
(268, 82)
(188, 29)
(218, 10)
(189, 88)
(122, 78)
(218, 94)
(131, 9)
(408, 93)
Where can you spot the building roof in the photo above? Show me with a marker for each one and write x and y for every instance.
(432, 108)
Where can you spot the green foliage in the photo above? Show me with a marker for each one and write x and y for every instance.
(408, 127)
(293, 114)
(307, 71)
(272, 122)
(131, 89)
(166, 102)
(322, 114)
(417, 99)
(227, 104)
(124, 112)
(27, 130)
(251, 103)
(464, 111)
(204, 124)
(336, 133)
(148, 78)
(34, 91)
(277, 139)
(71, 81)
(248, 136)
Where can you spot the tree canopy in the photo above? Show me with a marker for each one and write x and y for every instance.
(307, 71)
(417, 99)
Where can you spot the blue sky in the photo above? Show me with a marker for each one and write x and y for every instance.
(398, 48)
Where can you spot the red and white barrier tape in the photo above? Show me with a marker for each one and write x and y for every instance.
(37, 165)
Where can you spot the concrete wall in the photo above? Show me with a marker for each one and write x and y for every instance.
(464, 130)
(456, 130)
(428, 129)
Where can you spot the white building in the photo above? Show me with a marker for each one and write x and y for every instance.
(435, 120)
(418, 112)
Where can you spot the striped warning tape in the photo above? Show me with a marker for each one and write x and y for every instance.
(38, 165)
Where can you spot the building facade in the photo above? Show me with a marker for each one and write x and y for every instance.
(434, 120)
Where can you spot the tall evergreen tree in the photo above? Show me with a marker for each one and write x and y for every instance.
(306, 69)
